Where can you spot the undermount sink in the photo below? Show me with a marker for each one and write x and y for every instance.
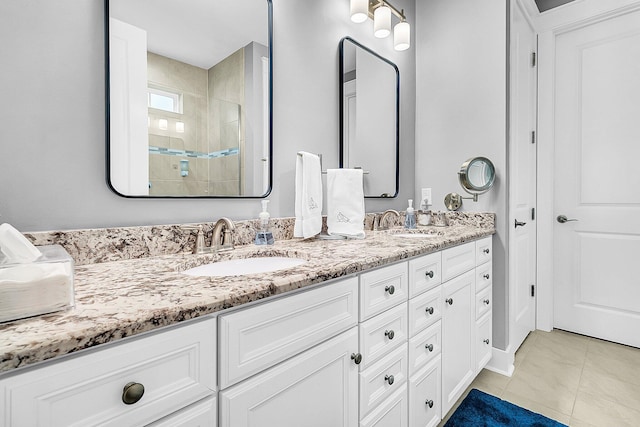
(244, 266)
(414, 235)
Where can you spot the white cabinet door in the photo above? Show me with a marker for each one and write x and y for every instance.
(458, 348)
(317, 388)
(201, 414)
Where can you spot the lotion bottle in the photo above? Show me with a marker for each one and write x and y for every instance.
(410, 216)
(264, 236)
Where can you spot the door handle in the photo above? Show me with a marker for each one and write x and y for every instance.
(519, 224)
(563, 218)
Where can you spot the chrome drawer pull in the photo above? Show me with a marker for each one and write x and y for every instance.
(486, 251)
(132, 393)
(429, 347)
(486, 276)
(486, 302)
(389, 379)
(390, 289)
(486, 341)
(429, 403)
(429, 310)
(356, 357)
(389, 334)
(449, 301)
(429, 273)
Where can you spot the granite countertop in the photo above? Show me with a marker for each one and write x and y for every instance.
(123, 298)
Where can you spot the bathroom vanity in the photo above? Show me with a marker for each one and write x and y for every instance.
(388, 330)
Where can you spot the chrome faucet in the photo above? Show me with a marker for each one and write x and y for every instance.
(222, 239)
(380, 222)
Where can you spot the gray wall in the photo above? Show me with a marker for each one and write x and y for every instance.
(52, 149)
(461, 52)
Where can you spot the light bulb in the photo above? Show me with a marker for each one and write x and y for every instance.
(180, 127)
(382, 22)
(163, 124)
(359, 10)
(402, 36)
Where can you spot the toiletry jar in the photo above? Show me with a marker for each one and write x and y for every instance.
(39, 287)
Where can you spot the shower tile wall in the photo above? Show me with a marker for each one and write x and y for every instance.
(213, 105)
(164, 170)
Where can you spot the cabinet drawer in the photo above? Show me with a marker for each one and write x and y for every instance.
(458, 260)
(258, 337)
(374, 381)
(483, 342)
(382, 289)
(424, 310)
(483, 276)
(484, 250)
(381, 334)
(392, 412)
(484, 302)
(176, 367)
(201, 414)
(424, 347)
(424, 273)
(424, 396)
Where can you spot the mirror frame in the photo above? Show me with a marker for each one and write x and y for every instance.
(466, 184)
(397, 116)
(108, 117)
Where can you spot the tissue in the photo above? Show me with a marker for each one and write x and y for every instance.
(16, 247)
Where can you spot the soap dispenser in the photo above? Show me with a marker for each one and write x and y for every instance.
(410, 216)
(264, 236)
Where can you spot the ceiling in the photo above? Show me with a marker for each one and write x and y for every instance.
(198, 32)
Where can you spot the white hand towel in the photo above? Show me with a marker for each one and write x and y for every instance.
(308, 203)
(15, 246)
(345, 203)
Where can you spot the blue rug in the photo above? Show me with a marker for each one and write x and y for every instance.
(483, 410)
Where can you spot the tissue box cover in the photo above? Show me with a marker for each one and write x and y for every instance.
(39, 287)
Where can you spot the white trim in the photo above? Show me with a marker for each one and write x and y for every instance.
(574, 15)
(502, 361)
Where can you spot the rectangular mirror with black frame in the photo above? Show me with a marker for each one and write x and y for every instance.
(369, 117)
(189, 97)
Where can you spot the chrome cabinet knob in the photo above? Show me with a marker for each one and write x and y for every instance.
(356, 357)
(486, 341)
(389, 334)
(486, 276)
(429, 274)
(389, 379)
(132, 393)
(429, 310)
(486, 251)
(429, 403)
(449, 301)
(390, 289)
(429, 347)
(487, 302)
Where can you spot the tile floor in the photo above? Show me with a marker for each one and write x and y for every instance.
(577, 380)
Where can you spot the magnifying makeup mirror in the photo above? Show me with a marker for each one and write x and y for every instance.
(476, 177)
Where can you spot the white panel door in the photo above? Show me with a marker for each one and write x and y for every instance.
(128, 133)
(597, 87)
(522, 178)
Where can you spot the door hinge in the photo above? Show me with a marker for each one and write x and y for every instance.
(533, 59)
(533, 136)
(533, 290)
(533, 214)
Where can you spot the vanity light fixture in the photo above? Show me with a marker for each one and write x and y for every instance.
(163, 124)
(380, 11)
(180, 127)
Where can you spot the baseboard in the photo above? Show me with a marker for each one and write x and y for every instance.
(502, 361)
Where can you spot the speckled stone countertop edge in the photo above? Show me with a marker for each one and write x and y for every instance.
(120, 299)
